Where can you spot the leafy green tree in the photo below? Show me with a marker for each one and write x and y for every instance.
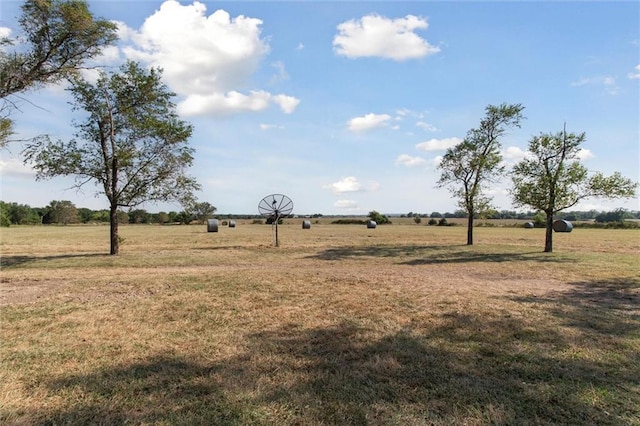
(468, 167)
(552, 178)
(60, 36)
(63, 212)
(162, 217)
(617, 215)
(139, 216)
(21, 214)
(130, 143)
(202, 211)
(378, 218)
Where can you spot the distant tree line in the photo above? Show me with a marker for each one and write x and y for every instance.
(598, 216)
(66, 213)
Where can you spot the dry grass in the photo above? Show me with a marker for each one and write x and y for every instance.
(340, 325)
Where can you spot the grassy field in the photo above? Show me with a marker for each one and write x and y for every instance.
(403, 324)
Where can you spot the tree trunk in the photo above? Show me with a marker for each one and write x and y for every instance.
(548, 239)
(470, 229)
(113, 220)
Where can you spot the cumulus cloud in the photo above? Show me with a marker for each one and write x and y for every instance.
(585, 154)
(635, 74)
(438, 144)
(368, 122)
(513, 154)
(206, 59)
(347, 184)
(377, 36)
(5, 32)
(409, 161)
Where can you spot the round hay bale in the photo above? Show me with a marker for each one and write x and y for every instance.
(306, 224)
(529, 225)
(562, 226)
(371, 224)
(212, 225)
(232, 224)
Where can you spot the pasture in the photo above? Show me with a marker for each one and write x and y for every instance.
(398, 325)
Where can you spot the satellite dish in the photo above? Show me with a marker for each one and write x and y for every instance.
(274, 207)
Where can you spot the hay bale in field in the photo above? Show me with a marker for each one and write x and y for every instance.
(529, 225)
(232, 224)
(306, 224)
(212, 225)
(562, 226)
(371, 224)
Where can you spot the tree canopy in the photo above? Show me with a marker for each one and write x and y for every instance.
(58, 37)
(551, 178)
(130, 143)
(469, 166)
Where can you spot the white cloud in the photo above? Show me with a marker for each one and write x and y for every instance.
(300, 46)
(585, 154)
(635, 74)
(205, 59)
(349, 205)
(287, 104)
(409, 161)
(224, 103)
(375, 35)
(426, 126)
(436, 161)
(347, 184)
(513, 154)
(15, 168)
(5, 32)
(368, 122)
(438, 144)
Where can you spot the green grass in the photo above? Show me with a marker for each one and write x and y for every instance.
(340, 325)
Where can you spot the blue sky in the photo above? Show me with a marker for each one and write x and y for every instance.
(346, 107)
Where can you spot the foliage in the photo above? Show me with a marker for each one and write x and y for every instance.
(348, 222)
(62, 212)
(468, 167)
(18, 214)
(379, 218)
(131, 142)
(433, 221)
(552, 179)
(417, 219)
(617, 215)
(201, 211)
(60, 35)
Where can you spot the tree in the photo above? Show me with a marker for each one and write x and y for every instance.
(551, 178)
(378, 218)
(130, 143)
(60, 36)
(63, 212)
(202, 211)
(469, 166)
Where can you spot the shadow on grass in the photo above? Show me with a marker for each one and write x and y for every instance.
(609, 307)
(7, 262)
(426, 255)
(464, 367)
